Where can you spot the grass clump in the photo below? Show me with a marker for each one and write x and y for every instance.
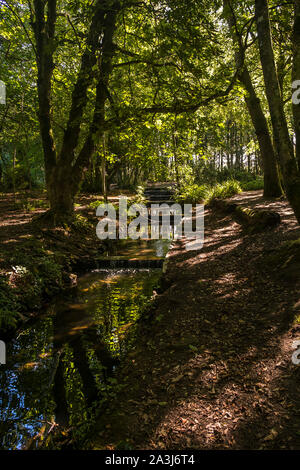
(224, 190)
(193, 193)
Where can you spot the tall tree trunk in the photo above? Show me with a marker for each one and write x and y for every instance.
(283, 143)
(61, 195)
(296, 76)
(272, 186)
(64, 171)
(103, 169)
(176, 163)
(44, 31)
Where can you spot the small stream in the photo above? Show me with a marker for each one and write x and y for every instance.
(60, 366)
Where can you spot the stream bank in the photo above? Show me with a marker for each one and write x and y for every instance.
(212, 368)
(211, 361)
(60, 365)
(38, 264)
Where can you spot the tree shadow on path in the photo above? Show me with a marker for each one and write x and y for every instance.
(213, 369)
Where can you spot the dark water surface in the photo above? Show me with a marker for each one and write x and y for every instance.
(59, 366)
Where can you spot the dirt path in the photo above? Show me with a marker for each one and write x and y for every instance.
(213, 369)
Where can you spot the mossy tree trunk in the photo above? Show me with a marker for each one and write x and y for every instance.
(283, 143)
(64, 170)
(272, 187)
(296, 77)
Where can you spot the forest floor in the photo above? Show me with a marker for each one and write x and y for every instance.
(213, 369)
(18, 215)
(17, 223)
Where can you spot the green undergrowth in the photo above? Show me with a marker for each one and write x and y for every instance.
(224, 190)
(38, 266)
(253, 185)
(81, 224)
(110, 205)
(35, 276)
(30, 205)
(193, 193)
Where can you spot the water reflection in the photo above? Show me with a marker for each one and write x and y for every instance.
(58, 367)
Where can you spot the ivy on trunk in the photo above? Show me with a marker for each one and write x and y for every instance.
(64, 169)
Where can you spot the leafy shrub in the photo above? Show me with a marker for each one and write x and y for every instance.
(208, 174)
(39, 276)
(240, 175)
(96, 204)
(30, 204)
(224, 190)
(253, 185)
(34, 277)
(81, 223)
(139, 198)
(49, 275)
(186, 175)
(9, 305)
(192, 194)
(26, 287)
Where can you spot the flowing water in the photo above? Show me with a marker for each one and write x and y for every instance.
(61, 364)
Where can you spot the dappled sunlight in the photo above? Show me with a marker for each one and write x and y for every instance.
(225, 397)
(255, 199)
(128, 320)
(219, 376)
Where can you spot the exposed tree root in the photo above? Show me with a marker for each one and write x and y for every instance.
(51, 219)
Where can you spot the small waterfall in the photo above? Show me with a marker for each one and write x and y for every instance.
(108, 263)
